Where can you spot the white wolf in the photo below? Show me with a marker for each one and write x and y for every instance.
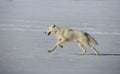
(67, 35)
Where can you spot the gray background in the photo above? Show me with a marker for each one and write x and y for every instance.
(23, 44)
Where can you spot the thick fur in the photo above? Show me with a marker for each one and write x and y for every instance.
(67, 35)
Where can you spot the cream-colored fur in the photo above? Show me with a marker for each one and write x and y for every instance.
(67, 35)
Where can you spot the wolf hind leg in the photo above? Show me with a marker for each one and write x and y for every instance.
(82, 47)
(94, 50)
(86, 43)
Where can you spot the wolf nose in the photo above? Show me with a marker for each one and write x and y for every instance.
(45, 32)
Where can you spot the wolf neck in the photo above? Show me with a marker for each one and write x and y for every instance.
(59, 30)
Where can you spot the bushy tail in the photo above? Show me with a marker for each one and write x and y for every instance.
(92, 40)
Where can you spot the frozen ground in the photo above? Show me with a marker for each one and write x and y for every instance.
(23, 44)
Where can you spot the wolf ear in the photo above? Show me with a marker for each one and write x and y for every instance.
(54, 26)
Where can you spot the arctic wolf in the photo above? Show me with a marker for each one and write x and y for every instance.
(67, 35)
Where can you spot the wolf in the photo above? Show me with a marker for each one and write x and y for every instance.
(63, 34)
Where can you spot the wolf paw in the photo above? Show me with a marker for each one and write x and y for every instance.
(61, 46)
(83, 53)
(49, 50)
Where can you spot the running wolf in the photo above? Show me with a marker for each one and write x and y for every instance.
(67, 35)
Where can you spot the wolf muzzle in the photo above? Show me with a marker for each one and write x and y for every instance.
(49, 33)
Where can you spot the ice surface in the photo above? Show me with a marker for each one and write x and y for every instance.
(24, 46)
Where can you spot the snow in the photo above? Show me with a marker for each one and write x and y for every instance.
(24, 45)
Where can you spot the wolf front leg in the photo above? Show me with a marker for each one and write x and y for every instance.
(60, 41)
(53, 48)
(58, 44)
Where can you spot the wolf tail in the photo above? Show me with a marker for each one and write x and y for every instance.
(92, 40)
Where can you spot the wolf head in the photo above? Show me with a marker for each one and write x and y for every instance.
(51, 29)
